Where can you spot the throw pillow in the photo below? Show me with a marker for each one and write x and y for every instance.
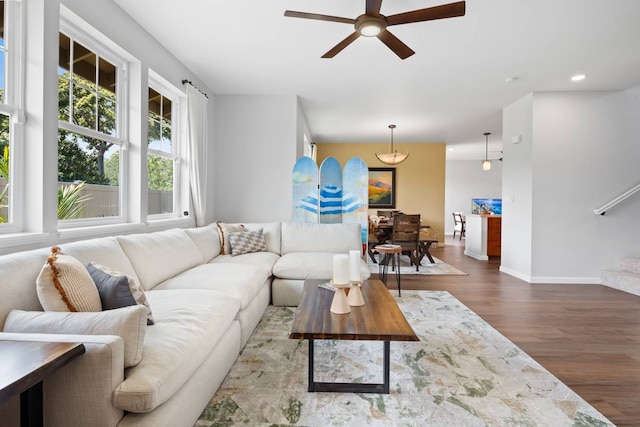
(64, 284)
(129, 323)
(247, 242)
(117, 290)
(224, 230)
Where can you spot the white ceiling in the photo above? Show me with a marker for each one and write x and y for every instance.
(452, 90)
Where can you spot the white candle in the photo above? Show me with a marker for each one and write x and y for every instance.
(354, 266)
(341, 269)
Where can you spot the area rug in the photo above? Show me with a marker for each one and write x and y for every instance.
(461, 373)
(439, 268)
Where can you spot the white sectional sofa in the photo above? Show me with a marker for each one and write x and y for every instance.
(205, 306)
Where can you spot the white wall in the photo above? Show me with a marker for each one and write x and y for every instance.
(517, 189)
(584, 152)
(465, 180)
(258, 138)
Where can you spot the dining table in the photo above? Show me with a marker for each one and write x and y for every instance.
(384, 234)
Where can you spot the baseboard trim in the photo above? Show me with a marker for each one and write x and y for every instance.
(552, 279)
(476, 256)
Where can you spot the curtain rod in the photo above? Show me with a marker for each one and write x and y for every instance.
(185, 81)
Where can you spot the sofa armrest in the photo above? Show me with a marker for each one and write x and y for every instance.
(80, 393)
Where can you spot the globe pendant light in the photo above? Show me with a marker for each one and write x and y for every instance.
(392, 157)
(486, 164)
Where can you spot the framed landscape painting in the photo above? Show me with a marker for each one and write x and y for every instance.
(382, 188)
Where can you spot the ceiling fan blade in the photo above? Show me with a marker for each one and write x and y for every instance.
(305, 15)
(344, 43)
(395, 44)
(450, 10)
(373, 7)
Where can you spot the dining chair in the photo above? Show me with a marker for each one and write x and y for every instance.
(459, 224)
(406, 233)
(372, 240)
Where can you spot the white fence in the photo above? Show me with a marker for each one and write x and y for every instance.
(104, 200)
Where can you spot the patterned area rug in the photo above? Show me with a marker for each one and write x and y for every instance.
(462, 373)
(440, 267)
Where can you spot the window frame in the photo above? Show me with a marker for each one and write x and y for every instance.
(177, 98)
(13, 107)
(84, 37)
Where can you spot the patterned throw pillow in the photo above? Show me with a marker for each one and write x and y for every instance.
(64, 284)
(247, 242)
(224, 230)
(117, 290)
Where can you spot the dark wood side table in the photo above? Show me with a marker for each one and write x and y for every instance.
(23, 366)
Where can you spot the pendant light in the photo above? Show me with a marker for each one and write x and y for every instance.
(392, 157)
(486, 164)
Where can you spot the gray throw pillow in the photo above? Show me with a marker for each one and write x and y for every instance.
(117, 290)
(247, 242)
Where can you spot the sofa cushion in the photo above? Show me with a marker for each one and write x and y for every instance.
(271, 232)
(160, 255)
(104, 251)
(189, 324)
(239, 281)
(309, 265)
(206, 239)
(19, 273)
(129, 323)
(65, 285)
(247, 242)
(311, 237)
(117, 290)
(264, 259)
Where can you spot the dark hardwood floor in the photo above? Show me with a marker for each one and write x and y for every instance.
(586, 335)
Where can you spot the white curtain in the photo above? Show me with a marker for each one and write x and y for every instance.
(197, 150)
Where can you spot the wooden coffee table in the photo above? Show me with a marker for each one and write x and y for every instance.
(379, 319)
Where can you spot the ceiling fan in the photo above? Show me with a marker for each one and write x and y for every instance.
(373, 24)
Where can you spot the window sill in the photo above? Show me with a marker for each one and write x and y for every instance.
(20, 239)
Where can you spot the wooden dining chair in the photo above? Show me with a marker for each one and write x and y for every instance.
(459, 225)
(406, 233)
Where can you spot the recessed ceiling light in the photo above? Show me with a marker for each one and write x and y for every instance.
(578, 77)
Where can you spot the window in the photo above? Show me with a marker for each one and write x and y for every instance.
(9, 112)
(162, 149)
(90, 142)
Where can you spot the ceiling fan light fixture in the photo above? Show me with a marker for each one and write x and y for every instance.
(369, 26)
(393, 157)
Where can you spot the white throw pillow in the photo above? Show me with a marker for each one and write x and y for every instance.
(224, 230)
(64, 284)
(129, 323)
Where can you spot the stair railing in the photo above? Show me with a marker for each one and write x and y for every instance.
(602, 209)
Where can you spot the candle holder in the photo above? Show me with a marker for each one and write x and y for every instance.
(340, 305)
(355, 298)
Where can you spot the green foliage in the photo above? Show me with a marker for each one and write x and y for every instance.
(160, 173)
(4, 173)
(74, 164)
(85, 106)
(71, 201)
(112, 169)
